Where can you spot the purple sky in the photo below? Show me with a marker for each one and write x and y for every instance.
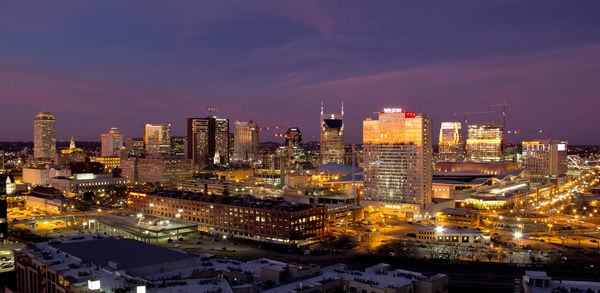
(99, 64)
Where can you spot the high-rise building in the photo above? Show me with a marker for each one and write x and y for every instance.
(545, 160)
(398, 158)
(208, 140)
(293, 137)
(157, 138)
(451, 145)
(332, 137)
(245, 140)
(178, 145)
(484, 143)
(44, 136)
(112, 143)
(135, 146)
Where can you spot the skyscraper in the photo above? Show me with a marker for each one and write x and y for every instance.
(157, 138)
(545, 160)
(484, 143)
(178, 145)
(208, 140)
(44, 136)
(451, 145)
(245, 141)
(332, 137)
(397, 158)
(293, 137)
(112, 143)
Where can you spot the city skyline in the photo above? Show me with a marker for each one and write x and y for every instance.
(177, 60)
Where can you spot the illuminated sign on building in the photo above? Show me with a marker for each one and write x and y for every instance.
(394, 110)
(562, 147)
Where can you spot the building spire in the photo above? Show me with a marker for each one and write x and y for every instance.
(321, 108)
(342, 108)
(72, 145)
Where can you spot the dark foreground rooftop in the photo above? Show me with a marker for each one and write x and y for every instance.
(128, 253)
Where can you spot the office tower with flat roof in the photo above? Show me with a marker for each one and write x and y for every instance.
(135, 146)
(112, 143)
(245, 140)
(157, 138)
(451, 144)
(484, 143)
(208, 140)
(332, 137)
(398, 157)
(44, 136)
(545, 160)
(178, 145)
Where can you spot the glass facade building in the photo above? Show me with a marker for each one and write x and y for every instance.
(332, 137)
(484, 143)
(451, 144)
(245, 141)
(157, 138)
(208, 140)
(398, 157)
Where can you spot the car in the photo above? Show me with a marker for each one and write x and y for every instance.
(593, 241)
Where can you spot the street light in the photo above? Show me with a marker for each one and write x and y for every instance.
(439, 229)
(518, 235)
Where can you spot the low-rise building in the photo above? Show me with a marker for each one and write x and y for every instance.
(80, 183)
(245, 217)
(540, 282)
(157, 168)
(446, 235)
(98, 263)
(108, 162)
(213, 186)
(459, 217)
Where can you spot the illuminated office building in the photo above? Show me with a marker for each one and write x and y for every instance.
(484, 143)
(208, 140)
(245, 141)
(135, 146)
(163, 169)
(398, 158)
(293, 137)
(178, 145)
(44, 136)
(545, 160)
(451, 145)
(157, 138)
(332, 137)
(112, 143)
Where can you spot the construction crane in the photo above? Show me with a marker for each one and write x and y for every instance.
(465, 113)
(503, 105)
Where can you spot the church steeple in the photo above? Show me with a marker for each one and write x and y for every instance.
(72, 145)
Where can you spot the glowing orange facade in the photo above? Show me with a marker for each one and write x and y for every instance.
(397, 157)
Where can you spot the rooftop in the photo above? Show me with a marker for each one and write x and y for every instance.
(277, 204)
(128, 253)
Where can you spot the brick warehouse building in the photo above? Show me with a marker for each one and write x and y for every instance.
(241, 216)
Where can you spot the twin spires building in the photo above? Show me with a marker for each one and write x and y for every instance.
(332, 137)
(398, 160)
